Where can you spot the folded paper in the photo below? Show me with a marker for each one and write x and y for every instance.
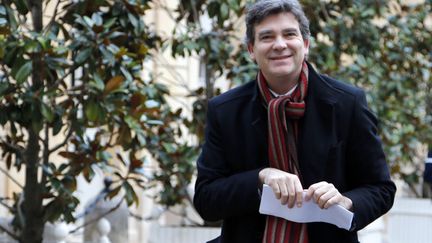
(308, 212)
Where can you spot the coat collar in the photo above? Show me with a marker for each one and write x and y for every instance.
(320, 99)
(318, 131)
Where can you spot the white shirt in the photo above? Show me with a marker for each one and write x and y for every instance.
(276, 95)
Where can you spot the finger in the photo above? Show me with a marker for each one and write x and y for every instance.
(321, 189)
(311, 190)
(309, 193)
(331, 202)
(295, 192)
(284, 193)
(322, 200)
(329, 197)
(299, 193)
(276, 189)
(291, 194)
(336, 199)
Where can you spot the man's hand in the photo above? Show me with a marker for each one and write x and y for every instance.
(326, 195)
(286, 186)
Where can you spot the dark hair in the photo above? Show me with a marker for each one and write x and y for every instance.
(258, 11)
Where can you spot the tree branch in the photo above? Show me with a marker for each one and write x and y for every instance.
(4, 204)
(58, 81)
(46, 154)
(6, 72)
(97, 218)
(11, 178)
(58, 146)
(17, 150)
(51, 21)
(10, 233)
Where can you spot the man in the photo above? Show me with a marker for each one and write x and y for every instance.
(292, 129)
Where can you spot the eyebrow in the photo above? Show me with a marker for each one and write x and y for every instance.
(290, 30)
(265, 32)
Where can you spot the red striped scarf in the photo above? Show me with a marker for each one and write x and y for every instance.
(283, 115)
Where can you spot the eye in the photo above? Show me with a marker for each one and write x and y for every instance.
(291, 34)
(265, 37)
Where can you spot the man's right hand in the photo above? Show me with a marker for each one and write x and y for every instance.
(286, 186)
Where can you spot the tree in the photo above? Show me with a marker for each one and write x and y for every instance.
(210, 30)
(75, 76)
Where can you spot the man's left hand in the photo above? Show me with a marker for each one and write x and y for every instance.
(325, 195)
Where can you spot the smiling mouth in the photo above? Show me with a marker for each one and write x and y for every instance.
(280, 57)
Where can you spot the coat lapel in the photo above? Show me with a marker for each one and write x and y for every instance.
(259, 118)
(318, 132)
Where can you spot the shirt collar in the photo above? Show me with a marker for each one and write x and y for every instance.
(276, 95)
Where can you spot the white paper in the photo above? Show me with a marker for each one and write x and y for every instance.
(308, 212)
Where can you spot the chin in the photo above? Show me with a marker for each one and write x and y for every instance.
(282, 72)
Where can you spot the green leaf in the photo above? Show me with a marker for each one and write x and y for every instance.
(234, 5)
(126, 73)
(130, 194)
(97, 82)
(224, 11)
(213, 8)
(32, 47)
(169, 147)
(133, 20)
(12, 20)
(88, 21)
(155, 122)
(132, 123)
(141, 138)
(92, 111)
(43, 41)
(21, 6)
(108, 56)
(47, 112)
(109, 23)
(3, 88)
(2, 10)
(83, 55)
(57, 126)
(56, 184)
(23, 72)
(97, 19)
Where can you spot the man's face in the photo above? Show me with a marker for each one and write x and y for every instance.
(279, 48)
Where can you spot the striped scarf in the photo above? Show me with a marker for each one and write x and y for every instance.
(283, 115)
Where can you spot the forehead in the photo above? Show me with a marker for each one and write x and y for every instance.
(279, 21)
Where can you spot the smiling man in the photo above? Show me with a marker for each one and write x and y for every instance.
(295, 130)
(279, 50)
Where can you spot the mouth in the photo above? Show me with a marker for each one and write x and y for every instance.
(280, 57)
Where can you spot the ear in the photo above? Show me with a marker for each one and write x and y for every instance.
(306, 45)
(251, 51)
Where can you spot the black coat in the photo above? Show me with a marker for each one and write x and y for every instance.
(338, 143)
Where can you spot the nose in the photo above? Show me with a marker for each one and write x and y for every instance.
(279, 43)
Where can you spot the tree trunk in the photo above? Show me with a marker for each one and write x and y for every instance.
(32, 207)
(209, 79)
